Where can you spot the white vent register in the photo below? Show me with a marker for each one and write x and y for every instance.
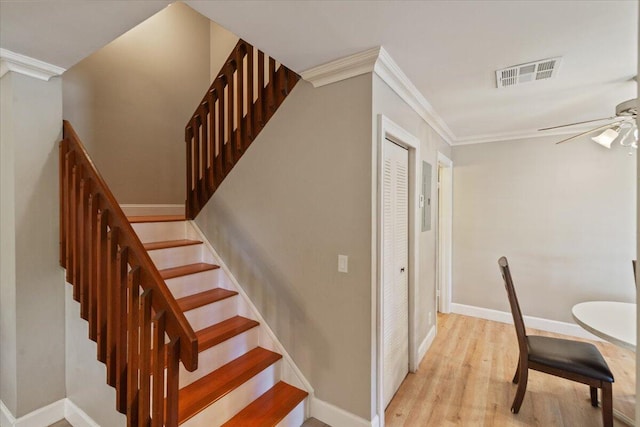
(530, 72)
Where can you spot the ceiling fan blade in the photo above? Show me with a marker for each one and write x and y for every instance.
(579, 123)
(607, 126)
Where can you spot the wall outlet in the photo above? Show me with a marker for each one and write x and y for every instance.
(343, 264)
(430, 317)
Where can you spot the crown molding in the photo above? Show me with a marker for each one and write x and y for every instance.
(11, 61)
(391, 73)
(342, 68)
(518, 135)
(378, 61)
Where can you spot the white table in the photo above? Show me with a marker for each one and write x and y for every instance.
(612, 321)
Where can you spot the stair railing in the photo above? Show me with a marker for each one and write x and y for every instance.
(244, 96)
(128, 306)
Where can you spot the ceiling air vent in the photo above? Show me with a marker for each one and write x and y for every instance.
(530, 72)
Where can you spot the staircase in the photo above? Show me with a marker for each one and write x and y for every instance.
(177, 334)
(238, 380)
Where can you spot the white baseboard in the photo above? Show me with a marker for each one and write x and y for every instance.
(334, 416)
(139, 210)
(44, 416)
(76, 416)
(426, 344)
(531, 322)
(47, 415)
(6, 417)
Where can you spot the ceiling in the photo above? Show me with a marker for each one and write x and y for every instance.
(450, 50)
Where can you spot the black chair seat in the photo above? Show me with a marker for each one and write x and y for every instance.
(573, 356)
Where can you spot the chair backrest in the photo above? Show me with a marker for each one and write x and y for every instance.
(515, 306)
(635, 275)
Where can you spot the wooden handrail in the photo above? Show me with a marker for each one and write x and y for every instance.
(121, 293)
(239, 103)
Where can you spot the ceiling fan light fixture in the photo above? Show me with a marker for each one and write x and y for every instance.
(607, 137)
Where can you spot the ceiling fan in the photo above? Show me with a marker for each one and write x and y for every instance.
(621, 127)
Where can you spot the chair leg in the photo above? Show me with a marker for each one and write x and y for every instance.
(516, 377)
(594, 396)
(522, 387)
(607, 405)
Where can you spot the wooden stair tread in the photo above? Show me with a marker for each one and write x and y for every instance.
(155, 218)
(203, 298)
(183, 270)
(165, 244)
(208, 389)
(270, 408)
(215, 334)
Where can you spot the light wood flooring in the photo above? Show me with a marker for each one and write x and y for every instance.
(465, 380)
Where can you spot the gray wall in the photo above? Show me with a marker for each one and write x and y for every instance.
(300, 196)
(86, 376)
(32, 287)
(388, 103)
(564, 215)
(131, 100)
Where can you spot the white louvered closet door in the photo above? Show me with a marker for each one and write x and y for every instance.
(395, 269)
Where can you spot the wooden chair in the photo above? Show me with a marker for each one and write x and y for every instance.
(573, 360)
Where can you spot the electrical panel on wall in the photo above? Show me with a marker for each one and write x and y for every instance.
(425, 201)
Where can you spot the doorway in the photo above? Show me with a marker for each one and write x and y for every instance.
(395, 264)
(390, 133)
(444, 234)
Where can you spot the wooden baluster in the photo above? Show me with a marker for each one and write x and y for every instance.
(281, 86)
(94, 202)
(229, 151)
(239, 113)
(211, 137)
(250, 82)
(220, 159)
(188, 137)
(144, 399)
(121, 330)
(173, 355)
(82, 250)
(158, 362)
(71, 218)
(133, 293)
(197, 162)
(63, 194)
(68, 164)
(101, 285)
(112, 303)
(260, 101)
(77, 244)
(204, 151)
(272, 89)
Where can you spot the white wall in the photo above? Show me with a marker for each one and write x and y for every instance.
(32, 285)
(563, 214)
(221, 44)
(300, 196)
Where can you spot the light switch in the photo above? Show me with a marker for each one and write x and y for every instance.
(343, 263)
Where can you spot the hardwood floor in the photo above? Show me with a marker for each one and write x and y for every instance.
(465, 380)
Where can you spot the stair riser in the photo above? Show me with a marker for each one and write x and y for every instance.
(226, 407)
(296, 416)
(160, 231)
(210, 314)
(221, 354)
(194, 283)
(182, 255)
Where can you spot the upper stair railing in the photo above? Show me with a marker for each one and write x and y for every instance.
(121, 293)
(246, 93)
